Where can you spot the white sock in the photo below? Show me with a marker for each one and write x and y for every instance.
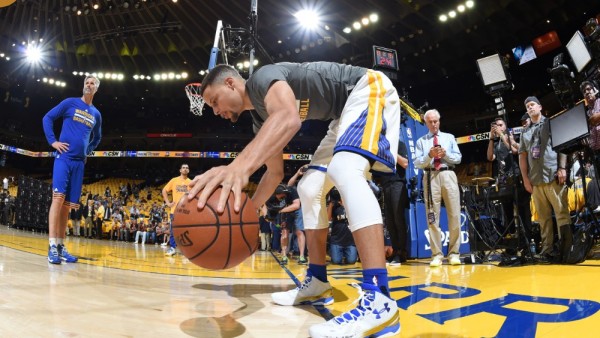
(60, 241)
(52, 241)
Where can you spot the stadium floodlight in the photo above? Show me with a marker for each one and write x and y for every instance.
(33, 54)
(309, 19)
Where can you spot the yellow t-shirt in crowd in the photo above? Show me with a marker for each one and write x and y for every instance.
(575, 195)
(177, 187)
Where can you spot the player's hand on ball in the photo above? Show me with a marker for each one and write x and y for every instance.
(230, 178)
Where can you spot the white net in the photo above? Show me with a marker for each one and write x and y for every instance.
(192, 91)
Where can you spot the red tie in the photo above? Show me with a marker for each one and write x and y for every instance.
(437, 162)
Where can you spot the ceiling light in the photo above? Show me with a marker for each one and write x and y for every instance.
(75, 73)
(374, 17)
(184, 75)
(34, 54)
(96, 6)
(461, 8)
(452, 14)
(136, 77)
(470, 4)
(364, 21)
(356, 25)
(443, 18)
(308, 19)
(347, 30)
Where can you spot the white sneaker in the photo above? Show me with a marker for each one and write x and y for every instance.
(163, 244)
(312, 291)
(436, 261)
(455, 259)
(170, 252)
(375, 316)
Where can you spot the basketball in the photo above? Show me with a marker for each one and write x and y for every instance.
(216, 241)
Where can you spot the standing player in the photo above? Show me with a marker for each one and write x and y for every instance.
(80, 121)
(177, 186)
(364, 106)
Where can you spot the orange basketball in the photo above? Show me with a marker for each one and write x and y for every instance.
(216, 241)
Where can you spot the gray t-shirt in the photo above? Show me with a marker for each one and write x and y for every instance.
(321, 88)
(542, 169)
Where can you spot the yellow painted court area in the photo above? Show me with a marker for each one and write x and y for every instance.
(122, 289)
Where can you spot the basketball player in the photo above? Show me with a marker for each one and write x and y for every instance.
(364, 106)
(177, 186)
(80, 120)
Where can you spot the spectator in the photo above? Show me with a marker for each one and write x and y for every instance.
(75, 216)
(437, 153)
(544, 176)
(341, 243)
(265, 230)
(142, 230)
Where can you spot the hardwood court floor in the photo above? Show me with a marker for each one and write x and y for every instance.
(123, 290)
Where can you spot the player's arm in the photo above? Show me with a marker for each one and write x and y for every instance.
(278, 129)
(270, 179)
(96, 135)
(48, 125)
(165, 194)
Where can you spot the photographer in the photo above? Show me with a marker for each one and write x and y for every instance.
(501, 148)
(285, 201)
(590, 94)
(341, 243)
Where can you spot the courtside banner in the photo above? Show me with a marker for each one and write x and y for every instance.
(483, 136)
(149, 153)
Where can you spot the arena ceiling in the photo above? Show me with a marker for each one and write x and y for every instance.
(154, 36)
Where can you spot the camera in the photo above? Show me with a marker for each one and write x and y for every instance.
(274, 205)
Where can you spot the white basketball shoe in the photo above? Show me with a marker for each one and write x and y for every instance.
(375, 316)
(312, 291)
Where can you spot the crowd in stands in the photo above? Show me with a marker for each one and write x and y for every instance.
(122, 211)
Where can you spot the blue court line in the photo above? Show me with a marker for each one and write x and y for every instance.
(323, 311)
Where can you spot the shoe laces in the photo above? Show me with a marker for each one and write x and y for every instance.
(64, 251)
(53, 250)
(363, 306)
(305, 283)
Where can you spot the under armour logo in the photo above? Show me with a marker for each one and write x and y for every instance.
(381, 311)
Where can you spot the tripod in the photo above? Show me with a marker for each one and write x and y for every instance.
(520, 234)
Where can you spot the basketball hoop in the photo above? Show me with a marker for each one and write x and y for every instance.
(192, 90)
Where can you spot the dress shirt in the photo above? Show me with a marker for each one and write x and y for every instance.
(447, 141)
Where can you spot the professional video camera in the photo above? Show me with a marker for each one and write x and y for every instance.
(563, 82)
(274, 204)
